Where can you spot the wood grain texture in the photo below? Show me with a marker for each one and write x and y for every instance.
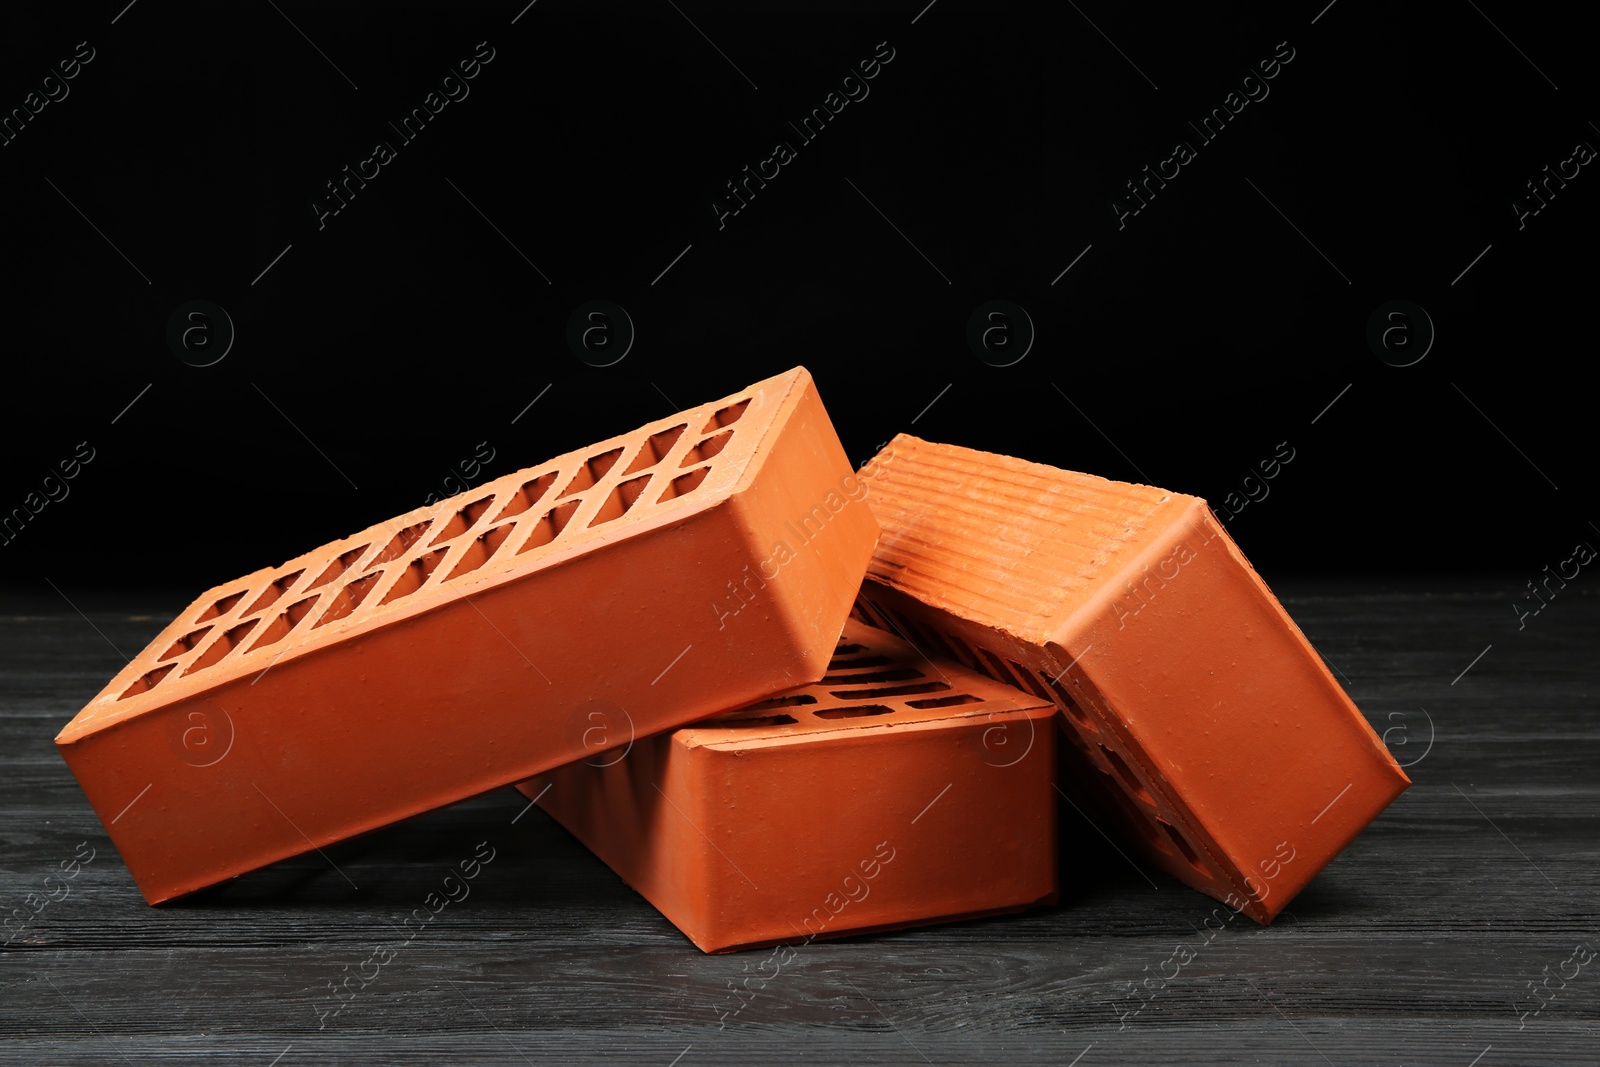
(1411, 948)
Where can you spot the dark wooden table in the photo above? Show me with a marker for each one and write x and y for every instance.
(1418, 945)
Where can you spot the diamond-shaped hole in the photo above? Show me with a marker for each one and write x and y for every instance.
(275, 589)
(620, 499)
(726, 416)
(684, 484)
(462, 521)
(704, 450)
(221, 607)
(943, 702)
(550, 525)
(856, 712)
(401, 542)
(528, 495)
(221, 645)
(279, 628)
(591, 471)
(1183, 846)
(342, 563)
(147, 681)
(481, 550)
(655, 449)
(415, 574)
(184, 644)
(348, 599)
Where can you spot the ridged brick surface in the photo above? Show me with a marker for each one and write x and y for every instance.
(463, 646)
(1196, 712)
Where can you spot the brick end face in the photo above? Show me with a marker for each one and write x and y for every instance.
(1194, 713)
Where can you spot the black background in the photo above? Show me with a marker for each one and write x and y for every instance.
(381, 349)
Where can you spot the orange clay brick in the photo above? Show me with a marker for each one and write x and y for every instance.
(898, 791)
(463, 646)
(1194, 708)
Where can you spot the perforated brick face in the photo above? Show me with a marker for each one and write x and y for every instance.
(497, 530)
(449, 648)
(771, 823)
(1196, 715)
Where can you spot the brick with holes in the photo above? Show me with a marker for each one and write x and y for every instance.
(898, 791)
(464, 646)
(1197, 713)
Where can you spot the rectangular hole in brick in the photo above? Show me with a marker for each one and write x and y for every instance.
(930, 641)
(530, 493)
(873, 615)
(279, 628)
(655, 449)
(481, 551)
(1065, 700)
(550, 525)
(844, 649)
(1025, 678)
(937, 645)
(684, 484)
(147, 681)
(348, 599)
(1183, 846)
(898, 674)
(222, 645)
(842, 662)
(725, 722)
(990, 664)
(622, 497)
(862, 614)
(725, 416)
(1071, 733)
(856, 712)
(462, 521)
(221, 607)
(704, 450)
(1125, 772)
(184, 644)
(890, 691)
(344, 562)
(415, 575)
(273, 591)
(798, 700)
(591, 471)
(943, 702)
(401, 542)
(1136, 817)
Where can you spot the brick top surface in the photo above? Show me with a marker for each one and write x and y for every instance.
(539, 517)
(1019, 546)
(875, 681)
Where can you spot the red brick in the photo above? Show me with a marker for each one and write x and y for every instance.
(897, 791)
(1194, 708)
(465, 645)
